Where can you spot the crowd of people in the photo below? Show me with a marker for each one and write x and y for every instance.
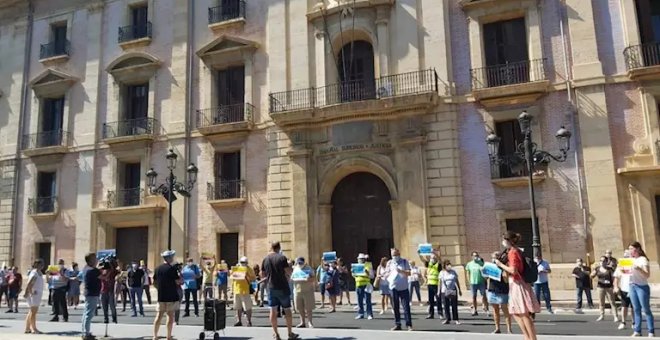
(289, 286)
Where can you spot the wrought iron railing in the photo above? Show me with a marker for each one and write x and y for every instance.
(403, 84)
(643, 55)
(54, 49)
(125, 197)
(225, 114)
(225, 189)
(511, 166)
(508, 74)
(134, 32)
(45, 139)
(232, 10)
(42, 205)
(129, 127)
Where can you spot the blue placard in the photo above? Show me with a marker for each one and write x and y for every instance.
(300, 275)
(358, 269)
(491, 270)
(101, 254)
(425, 249)
(330, 256)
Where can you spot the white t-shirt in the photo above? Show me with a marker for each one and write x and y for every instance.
(637, 277)
(37, 288)
(414, 274)
(624, 279)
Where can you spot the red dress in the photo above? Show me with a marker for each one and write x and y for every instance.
(521, 298)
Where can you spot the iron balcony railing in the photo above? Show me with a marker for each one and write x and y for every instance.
(134, 32)
(45, 139)
(129, 127)
(54, 49)
(224, 189)
(125, 197)
(42, 205)
(643, 55)
(512, 166)
(411, 83)
(225, 114)
(508, 74)
(228, 11)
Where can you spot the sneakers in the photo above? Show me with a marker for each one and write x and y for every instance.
(446, 322)
(410, 328)
(475, 313)
(651, 335)
(578, 311)
(550, 311)
(600, 318)
(382, 312)
(622, 326)
(457, 322)
(359, 317)
(238, 324)
(356, 307)
(9, 311)
(370, 317)
(616, 319)
(310, 325)
(55, 319)
(429, 317)
(396, 328)
(634, 335)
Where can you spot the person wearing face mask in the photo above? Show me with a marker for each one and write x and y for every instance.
(73, 293)
(398, 270)
(383, 286)
(208, 280)
(241, 289)
(190, 273)
(362, 283)
(582, 275)
(60, 283)
(147, 280)
(604, 273)
(640, 294)
(498, 297)
(432, 271)
(15, 282)
(477, 282)
(451, 290)
(622, 288)
(166, 279)
(541, 286)
(610, 261)
(332, 286)
(321, 275)
(304, 289)
(136, 287)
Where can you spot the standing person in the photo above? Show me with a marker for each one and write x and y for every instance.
(121, 288)
(344, 281)
(398, 270)
(383, 286)
(332, 285)
(166, 279)
(541, 286)
(136, 288)
(92, 281)
(610, 261)
(582, 275)
(207, 280)
(60, 287)
(258, 291)
(477, 282)
(108, 278)
(190, 274)
(498, 296)
(275, 269)
(622, 287)
(73, 294)
(522, 302)
(14, 284)
(147, 280)
(33, 293)
(321, 275)
(4, 285)
(640, 294)
(241, 290)
(414, 282)
(362, 283)
(222, 279)
(305, 300)
(451, 290)
(432, 272)
(605, 276)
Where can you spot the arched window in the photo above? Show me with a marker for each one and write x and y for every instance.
(356, 71)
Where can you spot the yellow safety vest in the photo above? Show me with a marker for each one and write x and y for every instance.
(363, 280)
(432, 273)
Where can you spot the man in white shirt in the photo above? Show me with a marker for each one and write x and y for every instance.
(622, 287)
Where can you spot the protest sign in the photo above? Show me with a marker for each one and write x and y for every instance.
(238, 273)
(53, 269)
(330, 256)
(490, 270)
(626, 264)
(299, 274)
(425, 249)
(358, 269)
(102, 254)
(223, 267)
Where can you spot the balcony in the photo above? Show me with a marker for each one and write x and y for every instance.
(226, 119)
(46, 143)
(43, 208)
(513, 173)
(510, 84)
(643, 61)
(125, 207)
(134, 35)
(130, 130)
(401, 94)
(54, 52)
(232, 14)
(226, 193)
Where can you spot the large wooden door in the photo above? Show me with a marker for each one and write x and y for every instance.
(361, 217)
(228, 248)
(522, 226)
(132, 244)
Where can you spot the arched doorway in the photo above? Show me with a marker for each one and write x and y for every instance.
(361, 217)
(356, 71)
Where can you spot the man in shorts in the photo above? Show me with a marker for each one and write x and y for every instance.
(167, 278)
(276, 271)
(242, 276)
(622, 287)
(477, 282)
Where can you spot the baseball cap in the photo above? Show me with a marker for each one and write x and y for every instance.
(168, 253)
(243, 259)
(362, 256)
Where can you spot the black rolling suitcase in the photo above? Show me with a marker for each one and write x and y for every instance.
(215, 315)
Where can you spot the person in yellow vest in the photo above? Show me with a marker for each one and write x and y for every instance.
(364, 289)
(432, 264)
(241, 289)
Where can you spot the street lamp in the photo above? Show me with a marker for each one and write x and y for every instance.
(528, 152)
(171, 185)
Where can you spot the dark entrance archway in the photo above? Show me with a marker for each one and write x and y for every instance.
(361, 217)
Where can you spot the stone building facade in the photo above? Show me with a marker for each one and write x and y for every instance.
(347, 125)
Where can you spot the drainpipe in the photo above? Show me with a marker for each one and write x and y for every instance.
(574, 121)
(21, 122)
(189, 110)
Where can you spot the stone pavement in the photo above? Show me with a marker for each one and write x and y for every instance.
(12, 330)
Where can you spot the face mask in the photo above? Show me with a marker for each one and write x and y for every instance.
(449, 267)
(135, 267)
(190, 264)
(396, 258)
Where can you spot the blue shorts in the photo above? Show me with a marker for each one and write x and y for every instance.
(498, 299)
(279, 298)
(13, 293)
(481, 288)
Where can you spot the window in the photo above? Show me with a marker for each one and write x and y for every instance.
(228, 247)
(510, 136)
(139, 21)
(52, 114)
(648, 19)
(46, 191)
(505, 48)
(59, 39)
(136, 109)
(43, 252)
(230, 95)
(522, 226)
(356, 71)
(228, 175)
(129, 184)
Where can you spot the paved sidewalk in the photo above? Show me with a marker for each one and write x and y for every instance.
(12, 330)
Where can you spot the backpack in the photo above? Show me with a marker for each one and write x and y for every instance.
(530, 270)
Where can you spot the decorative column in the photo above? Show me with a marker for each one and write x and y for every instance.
(300, 227)
(323, 231)
(248, 70)
(382, 20)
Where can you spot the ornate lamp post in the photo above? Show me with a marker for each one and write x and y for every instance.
(171, 185)
(531, 155)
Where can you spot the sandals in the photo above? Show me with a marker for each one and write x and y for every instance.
(276, 337)
(293, 336)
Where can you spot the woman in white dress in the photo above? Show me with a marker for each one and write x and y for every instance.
(33, 293)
